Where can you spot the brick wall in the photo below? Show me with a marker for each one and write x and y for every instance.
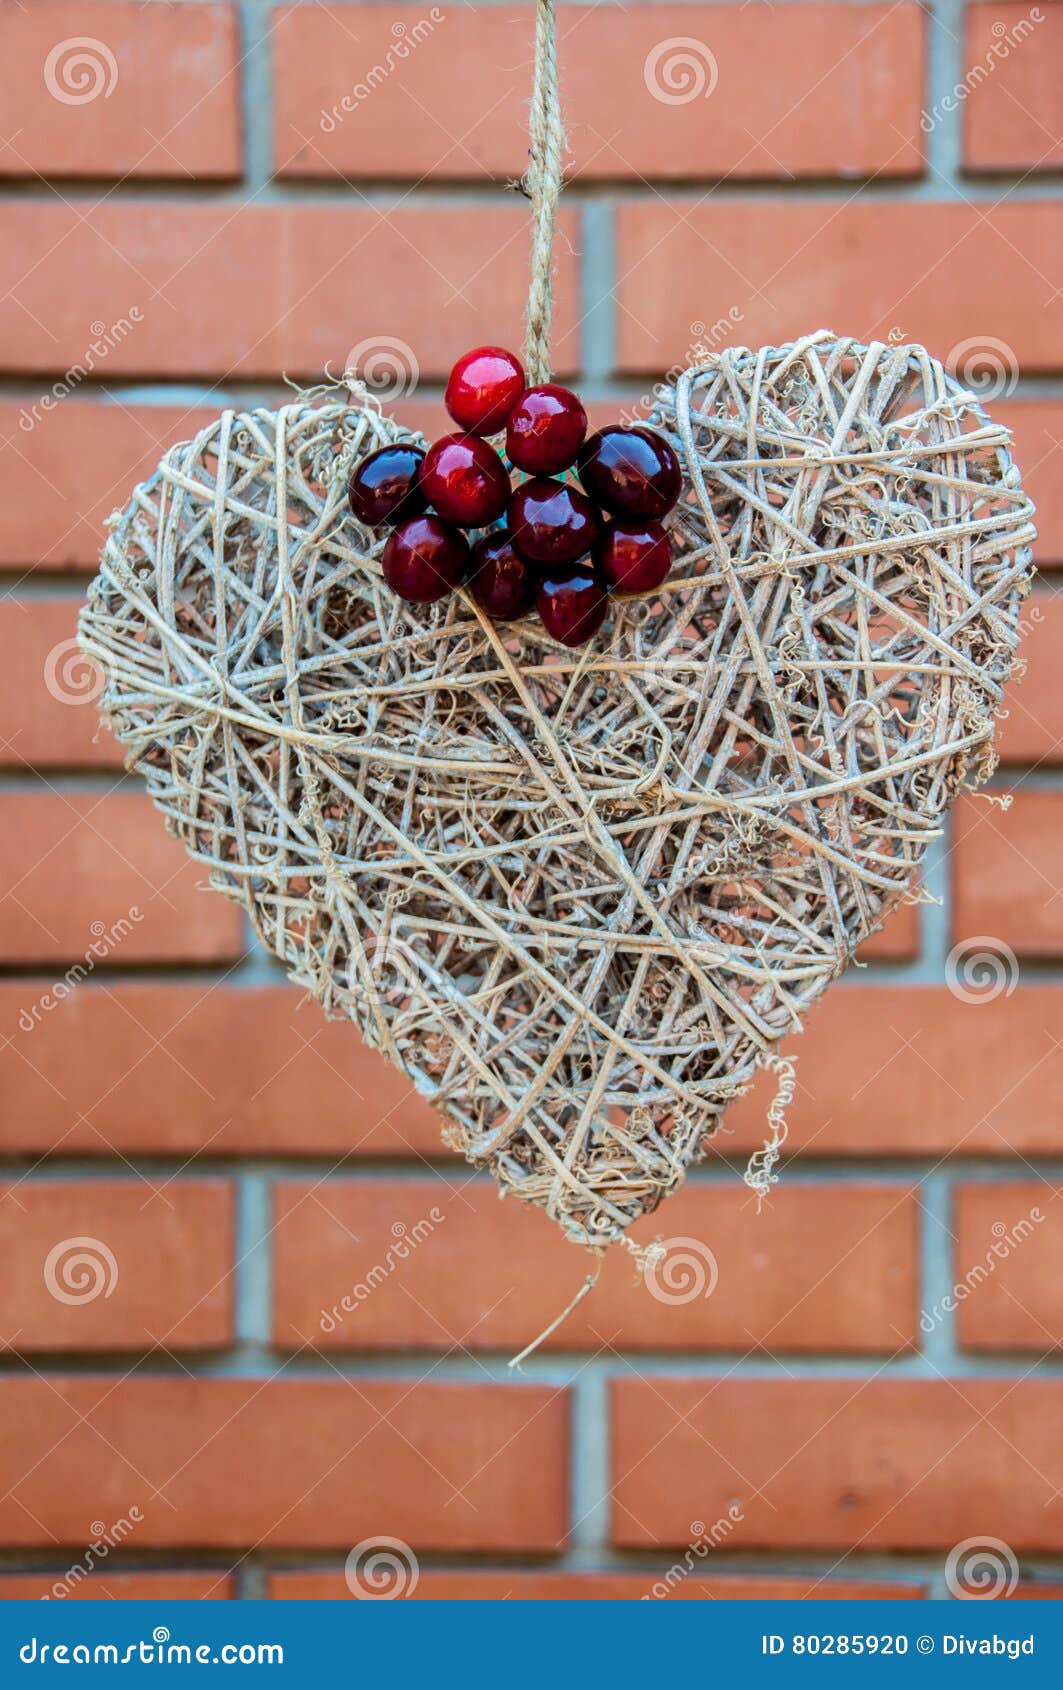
(227, 193)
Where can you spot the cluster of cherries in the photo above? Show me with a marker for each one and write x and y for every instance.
(560, 549)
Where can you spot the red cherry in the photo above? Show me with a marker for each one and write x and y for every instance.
(483, 388)
(631, 471)
(546, 429)
(572, 605)
(552, 523)
(465, 480)
(634, 556)
(383, 487)
(424, 558)
(501, 582)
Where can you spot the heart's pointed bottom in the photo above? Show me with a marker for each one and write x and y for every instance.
(579, 896)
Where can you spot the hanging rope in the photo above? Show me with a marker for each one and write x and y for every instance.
(543, 185)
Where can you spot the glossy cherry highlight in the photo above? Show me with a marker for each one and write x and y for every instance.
(572, 605)
(425, 559)
(546, 428)
(501, 582)
(631, 471)
(633, 555)
(384, 486)
(551, 523)
(483, 388)
(465, 480)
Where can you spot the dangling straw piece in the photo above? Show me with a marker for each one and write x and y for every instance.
(543, 185)
(585, 1289)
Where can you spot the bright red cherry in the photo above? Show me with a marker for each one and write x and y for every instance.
(551, 523)
(631, 471)
(546, 428)
(383, 487)
(633, 555)
(465, 480)
(424, 558)
(501, 582)
(572, 605)
(483, 388)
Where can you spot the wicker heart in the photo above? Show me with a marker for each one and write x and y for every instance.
(578, 897)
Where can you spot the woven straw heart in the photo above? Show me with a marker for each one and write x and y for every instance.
(578, 897)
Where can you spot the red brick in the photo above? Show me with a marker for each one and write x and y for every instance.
(937, 272)
(1006, 871)
(48, 690)
(106, 1586)
(898, 938)
(61, 477)
(178, 1069)
(455, 105)
(76, 864)
(266, 290)
(157, 1258)
(305, 1463)
(826, 1267)
(598, 1587)
(914, 1071)
(1007, 1260)
(153, 91)
(839, 1463)
(1032, 731)
(1013, 109)
(1037, 425)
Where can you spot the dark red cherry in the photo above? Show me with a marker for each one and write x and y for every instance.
(483, 388)
(465, 480)
(631, 471)
(633, 555)
(551, 523)
(546, 428)
(572, 605)
(501, 582)
(424, 559)
(383, 487)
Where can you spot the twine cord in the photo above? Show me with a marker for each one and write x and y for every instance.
(543, 186)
